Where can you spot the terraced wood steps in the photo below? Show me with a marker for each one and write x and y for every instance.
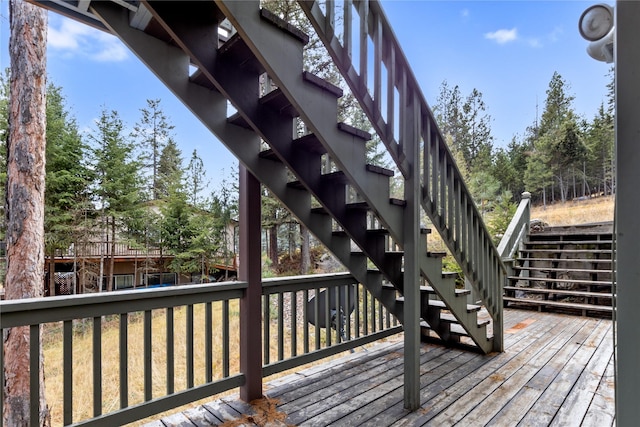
(567, 269)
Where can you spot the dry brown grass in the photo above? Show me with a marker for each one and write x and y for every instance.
(598, 209)
(82, 360)
(83, 351)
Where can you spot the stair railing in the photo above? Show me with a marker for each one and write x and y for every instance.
(382, 95)
(517, 230)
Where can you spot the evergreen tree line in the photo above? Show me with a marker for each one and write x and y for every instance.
(113, 187)
(560, 157)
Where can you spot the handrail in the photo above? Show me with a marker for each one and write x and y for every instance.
(517, 230)
(446, 198)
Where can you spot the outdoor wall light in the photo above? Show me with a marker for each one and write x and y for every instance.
(596, 25)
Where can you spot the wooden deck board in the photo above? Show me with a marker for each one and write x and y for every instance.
(556, 370)
(360, 408)
(576, 405)
(480, 392)
(547, 406)
(601, 411)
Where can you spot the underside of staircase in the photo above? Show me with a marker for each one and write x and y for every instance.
(347, 206)
(565, 269)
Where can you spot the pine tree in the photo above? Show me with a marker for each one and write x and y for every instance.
(224, 208)
(476, 141)
(196, 179)
(176, 229)
(448, 113)
(118, 184)
(170, 169)
(559, 141)
(466, 126)
(153, 133)
(67, 178)
(600, 141)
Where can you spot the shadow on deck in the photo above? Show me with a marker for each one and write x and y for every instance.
(556, 370)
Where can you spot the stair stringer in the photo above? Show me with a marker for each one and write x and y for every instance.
(272, 48)
(261, 37)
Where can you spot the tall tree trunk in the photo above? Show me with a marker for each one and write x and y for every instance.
(273, 246)
(25, 200)
(305, 252)
(112, 256)
(52, 274)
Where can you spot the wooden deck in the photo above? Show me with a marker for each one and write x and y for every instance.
(556, 370)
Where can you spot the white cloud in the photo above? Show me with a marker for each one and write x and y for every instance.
(70, 39)
(503, 36)
(534, 42)
(554, 35)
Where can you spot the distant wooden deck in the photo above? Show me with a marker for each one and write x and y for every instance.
(556, 370)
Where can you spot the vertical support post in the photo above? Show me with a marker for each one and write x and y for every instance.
(250, 271)
(627, 227)
(410, 138)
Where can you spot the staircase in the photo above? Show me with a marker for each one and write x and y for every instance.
(566, 269)
(283, 129)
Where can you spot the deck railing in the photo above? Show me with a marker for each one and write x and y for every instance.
(129, 355)
(292, 334)
(369, 57)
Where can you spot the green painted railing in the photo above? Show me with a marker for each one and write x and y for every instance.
(361, 42)
(517, 230)
(191, 326)
(290, 340)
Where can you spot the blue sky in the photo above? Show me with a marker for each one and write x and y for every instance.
(508, 50)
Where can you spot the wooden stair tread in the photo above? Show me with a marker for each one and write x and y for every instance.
(560, 292)
(572, 260)
(458, 292)
(450, 318)
(594, 251)
(569, 242)
(238, 120)
(440, 304)
(269, 154)
(573, 305)
(237, 48)
(323, 84)
(380, 170)
(285, 26)
(201, 79)
(311, 143)
(546, 279)
(365, 136)
(561, 269)
(279, 102)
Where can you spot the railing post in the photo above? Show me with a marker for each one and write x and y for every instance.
(627, 226)
(250, 271)
(410, 122)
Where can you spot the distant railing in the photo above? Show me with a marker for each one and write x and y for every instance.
(517, 230)
(129, 355)
(369, 57)
(97, 249)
